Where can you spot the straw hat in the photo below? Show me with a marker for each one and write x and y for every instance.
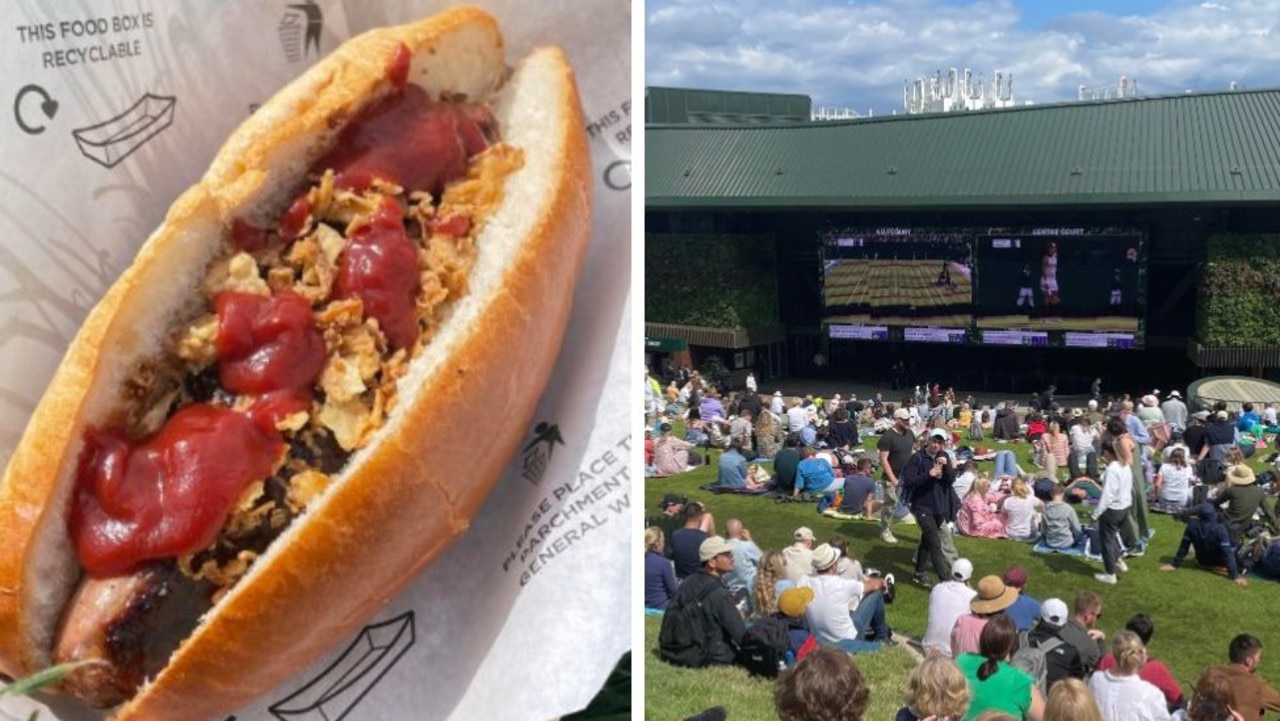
(825, 556)
(1240, 475)
(992, 596)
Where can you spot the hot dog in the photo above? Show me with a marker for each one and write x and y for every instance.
(254, 441)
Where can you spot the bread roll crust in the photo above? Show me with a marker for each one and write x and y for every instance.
(401, 500)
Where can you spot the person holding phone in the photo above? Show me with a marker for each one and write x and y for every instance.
(927, 482)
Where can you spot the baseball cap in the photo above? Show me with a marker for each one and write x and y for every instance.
(713, 547)
(803, 533)
(1054, 612)
(671, 499)
(1016, 576)
(939, 434)
(902, 414)
(795, 600)
(1221, 415)
(962, 570)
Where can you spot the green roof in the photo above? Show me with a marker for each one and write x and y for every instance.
(1206, 148)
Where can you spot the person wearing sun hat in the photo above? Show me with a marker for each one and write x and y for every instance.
(992, 598)
(1149, 412)
(833, 595)
(1243, 498)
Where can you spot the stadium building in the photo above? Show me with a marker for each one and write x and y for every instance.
(1135, 239)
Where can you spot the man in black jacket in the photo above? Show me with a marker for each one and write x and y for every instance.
(927, 484)
(724, 622)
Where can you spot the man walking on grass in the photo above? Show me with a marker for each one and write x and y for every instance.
(895, 447)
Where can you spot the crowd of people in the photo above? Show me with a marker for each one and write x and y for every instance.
(989, 646)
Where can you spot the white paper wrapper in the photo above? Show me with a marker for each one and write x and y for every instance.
(119, 106)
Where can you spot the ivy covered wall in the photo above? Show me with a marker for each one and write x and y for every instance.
(1240, 291)
(715, 280)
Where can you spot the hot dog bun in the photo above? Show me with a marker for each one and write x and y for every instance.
(407, 495)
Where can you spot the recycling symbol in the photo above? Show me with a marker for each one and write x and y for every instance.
(26, 115)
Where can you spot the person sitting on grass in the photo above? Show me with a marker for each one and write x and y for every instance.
(1060, 524)
(1250, 693)
(672, 455)
(948, 601)
(792, 604)
(659, 579)
(937, 689)
(860, 490)
(771, 583)
(1212, 542)
(992, 599)
(1173, 482)
(1121, 694)
(1022, 513)
(785, 463)
(686, 540)
(829, 614)
(770, 435)
(978, 516)
(1243, 499)
(732, 472)
(1061, 660)
(825, 686)
(1152, 671)
(1071, 700)
(996, 685)
(724, 625)
(814, 475)
(1026, 609)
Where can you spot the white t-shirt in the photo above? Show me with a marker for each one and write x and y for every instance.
(1082, 438)
(1021, 522)
(948, 601)
(1127, 697)
(964, 482)
(797, 418)
(1175, 484)
(828, 614)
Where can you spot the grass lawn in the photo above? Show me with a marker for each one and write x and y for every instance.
(1196, 613)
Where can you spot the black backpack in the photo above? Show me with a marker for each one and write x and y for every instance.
(1212, 471)
(685, 636)
(764, 647)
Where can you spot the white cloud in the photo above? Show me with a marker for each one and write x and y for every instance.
(858, 54)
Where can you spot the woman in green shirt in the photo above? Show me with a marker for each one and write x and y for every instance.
(996, 684)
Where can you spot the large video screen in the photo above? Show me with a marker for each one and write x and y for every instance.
(918, 282)
(1081, 287)
(1061, 287)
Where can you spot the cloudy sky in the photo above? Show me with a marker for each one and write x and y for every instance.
(857, 54)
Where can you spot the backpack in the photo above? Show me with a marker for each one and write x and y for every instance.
(1034, 659)
(685, 636)
(1212, 471)
(764, 647)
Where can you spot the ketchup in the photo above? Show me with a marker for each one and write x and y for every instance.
(409, 140)
(269, 346)
(380, 267)
(169, 494)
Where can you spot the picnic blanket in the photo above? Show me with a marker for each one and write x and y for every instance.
(1077, 550)
(717, 488)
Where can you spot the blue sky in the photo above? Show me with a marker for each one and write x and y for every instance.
(858, 53)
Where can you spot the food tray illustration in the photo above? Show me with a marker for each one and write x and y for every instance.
(331, 695)
(113, 140)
